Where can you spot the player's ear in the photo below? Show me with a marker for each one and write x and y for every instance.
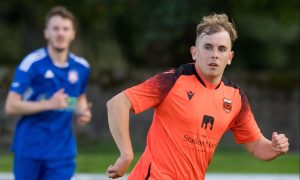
(46, 34)
(73, 34)
(230, 57)
(194, 52)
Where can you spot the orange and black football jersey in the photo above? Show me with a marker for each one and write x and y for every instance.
(190, 117)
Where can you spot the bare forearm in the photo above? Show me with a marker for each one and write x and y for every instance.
(118, 119)
(16, 106)
(26, 107)
(265, 149)
(83, 111)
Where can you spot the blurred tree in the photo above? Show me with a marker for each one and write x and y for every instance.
(268, 31)
(122, 38)
(117, 34)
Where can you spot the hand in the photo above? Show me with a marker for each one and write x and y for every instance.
(280, 143)
(59, 100)
(119, 168)
(84, 116)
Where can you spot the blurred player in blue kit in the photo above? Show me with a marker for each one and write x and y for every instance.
(48, 92)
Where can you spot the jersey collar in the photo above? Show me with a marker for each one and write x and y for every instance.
(65, 65)
(204, 82)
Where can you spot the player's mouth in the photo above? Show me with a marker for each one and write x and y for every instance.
(213, 64)
(60, 40)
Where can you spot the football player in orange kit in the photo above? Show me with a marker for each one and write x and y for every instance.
(194, 106)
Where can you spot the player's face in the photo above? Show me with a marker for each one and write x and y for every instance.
(212, 54)
(59, 32)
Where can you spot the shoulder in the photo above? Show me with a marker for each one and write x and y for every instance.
(173, 74)
(168, 78)
(32, 58)
(230, 84)
(185, 69)
(80, 60)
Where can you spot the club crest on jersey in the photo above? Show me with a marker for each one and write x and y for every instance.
(227, 105)
(73, 76)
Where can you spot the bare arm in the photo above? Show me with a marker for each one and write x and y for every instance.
(16, 106)
(83, 110)
(265, 149)
(118, 119)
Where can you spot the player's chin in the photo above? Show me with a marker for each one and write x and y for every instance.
(60, 48)
(82, 122)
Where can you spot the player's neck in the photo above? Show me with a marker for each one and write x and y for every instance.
(210, 81)
(59, 57)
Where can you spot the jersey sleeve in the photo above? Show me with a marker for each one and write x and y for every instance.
(245, 128)
(85, 80)
(21, 81)
(151, 92)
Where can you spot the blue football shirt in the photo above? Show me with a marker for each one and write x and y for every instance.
(48, 134)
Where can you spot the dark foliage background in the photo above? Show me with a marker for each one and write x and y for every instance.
(127, 41)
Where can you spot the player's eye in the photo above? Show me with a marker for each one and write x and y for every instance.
(66, 29)
(207, 47)
(222, 49)
(55, 28)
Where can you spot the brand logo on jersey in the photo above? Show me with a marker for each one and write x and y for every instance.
(15, 84)
(73, 76)
(49, 74)
(190, 94)
(227, 105)
(207, 120)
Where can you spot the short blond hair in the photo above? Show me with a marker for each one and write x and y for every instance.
(215, 23)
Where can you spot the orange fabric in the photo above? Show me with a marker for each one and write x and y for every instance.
(189, 120)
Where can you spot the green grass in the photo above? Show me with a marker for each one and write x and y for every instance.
(95, 163)
(6, 162)
(86, 162)
(238, 162)
(95, 157)
(243, 162)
